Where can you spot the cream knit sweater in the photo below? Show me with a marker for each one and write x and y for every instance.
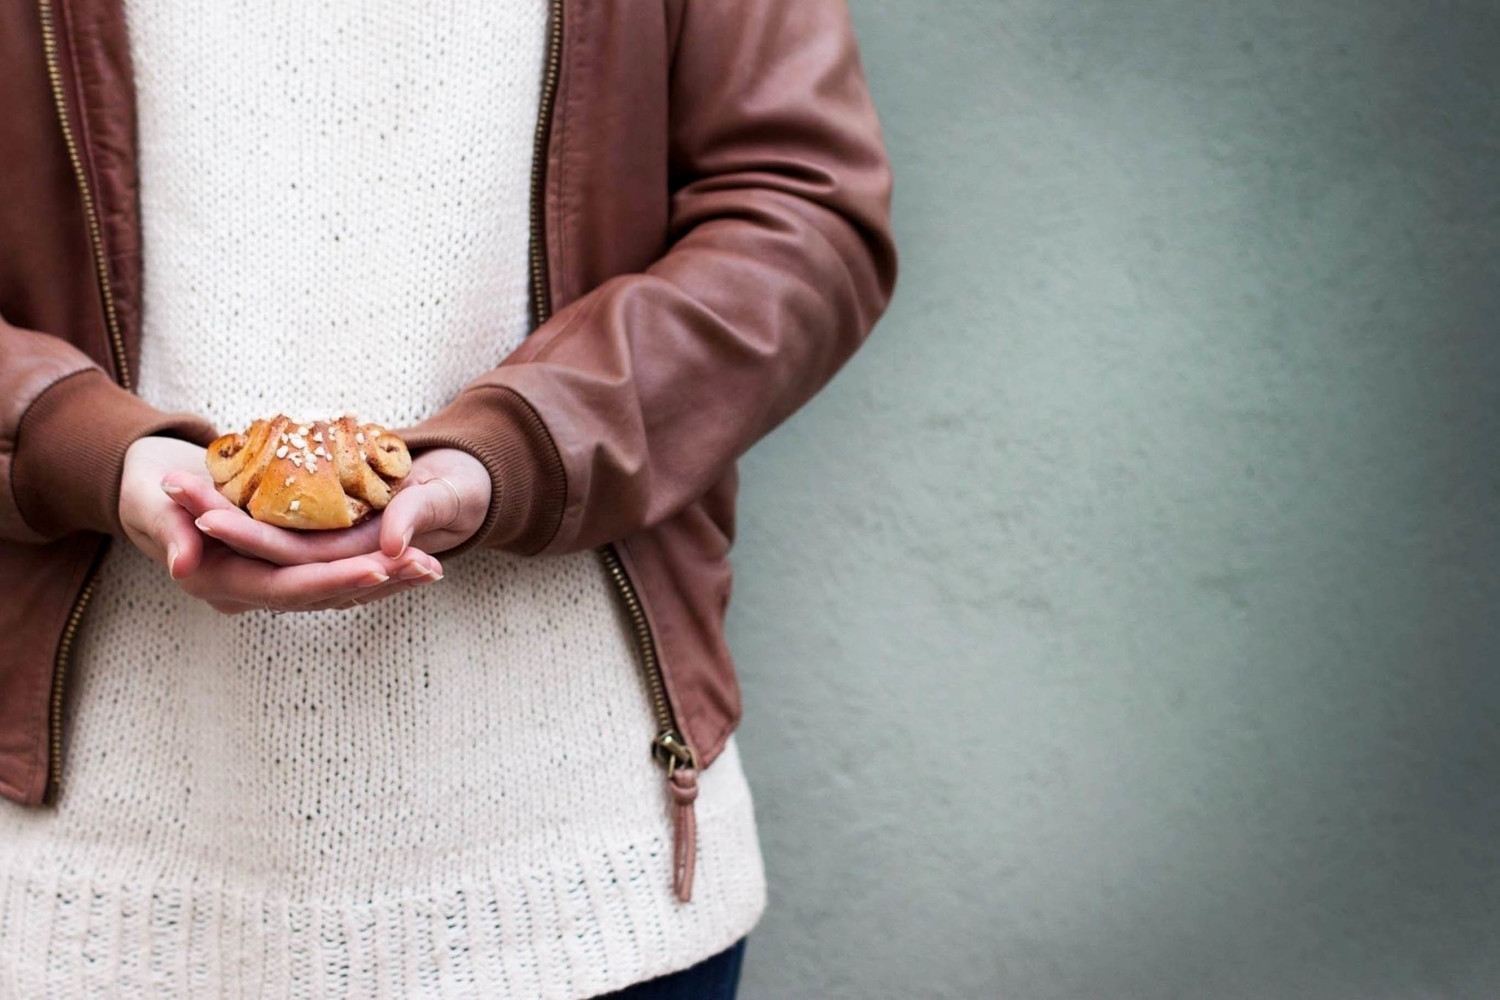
(445, 794)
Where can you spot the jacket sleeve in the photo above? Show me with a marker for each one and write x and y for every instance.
(64, 428)
(638, 397)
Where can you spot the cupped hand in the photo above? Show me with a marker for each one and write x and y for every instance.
(426, 514)
(159, 471)
(233, 583)
(446, 499)
(157, 526)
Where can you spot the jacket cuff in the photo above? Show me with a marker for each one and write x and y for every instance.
(529, 486)
(70, 451)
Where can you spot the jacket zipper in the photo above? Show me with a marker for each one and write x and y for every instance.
(64, 649)
(96, 239)
(669, 747)
(122, 375)
(540, 280)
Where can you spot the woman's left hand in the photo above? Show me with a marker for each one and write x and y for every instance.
(425, 512)
(445, 500)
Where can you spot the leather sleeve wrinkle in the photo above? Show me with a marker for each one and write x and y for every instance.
(31, 364)
(67, 425)
(780, 261)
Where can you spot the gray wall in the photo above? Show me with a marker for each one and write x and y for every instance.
(1123, 621)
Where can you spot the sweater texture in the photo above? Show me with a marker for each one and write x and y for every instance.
(448, 793)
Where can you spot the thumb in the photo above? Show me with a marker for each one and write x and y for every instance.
(179, 540)
(426, 506)
(194, 493)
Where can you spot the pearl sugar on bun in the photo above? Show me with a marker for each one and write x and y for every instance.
(311, 476)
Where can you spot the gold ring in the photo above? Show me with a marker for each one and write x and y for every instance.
(458, 501)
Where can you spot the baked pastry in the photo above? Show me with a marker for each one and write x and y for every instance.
(318, 475)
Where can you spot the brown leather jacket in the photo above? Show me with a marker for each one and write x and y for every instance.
(711, 241)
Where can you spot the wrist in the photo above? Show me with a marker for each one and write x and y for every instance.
(71, 447)
(528, 486)
(148, 459)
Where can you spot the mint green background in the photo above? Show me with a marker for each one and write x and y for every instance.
(1124, 621)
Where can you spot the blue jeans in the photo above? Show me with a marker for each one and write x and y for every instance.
(715, 978)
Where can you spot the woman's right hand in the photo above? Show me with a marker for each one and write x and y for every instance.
(232, 583)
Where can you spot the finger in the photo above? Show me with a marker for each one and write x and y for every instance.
(178, 544)
(415, 573)
(413, 511)
(193, 493)
(409, 578)
(226, 576)
(372, 595)
(283, 546)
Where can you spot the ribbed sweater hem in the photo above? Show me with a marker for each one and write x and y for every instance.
(73, 933)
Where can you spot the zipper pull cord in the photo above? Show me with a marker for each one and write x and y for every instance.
(683, 784)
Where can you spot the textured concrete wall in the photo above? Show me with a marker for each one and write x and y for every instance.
(1124, 622)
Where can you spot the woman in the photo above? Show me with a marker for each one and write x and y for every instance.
(581, 256)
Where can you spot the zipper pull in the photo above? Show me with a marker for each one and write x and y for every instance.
(682, 782)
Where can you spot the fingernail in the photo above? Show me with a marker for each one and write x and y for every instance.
(406, 540)
(374, 578)
(172, 552)
(414, 571)
(170, 490)
(205, 528)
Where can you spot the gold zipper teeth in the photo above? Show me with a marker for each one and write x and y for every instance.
(91, 215)
(64, 648)
(122, 375)
(670, 746)
(673, 747)
(539, 277)
(642, 629)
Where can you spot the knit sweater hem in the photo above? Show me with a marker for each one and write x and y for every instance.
(486, 934)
